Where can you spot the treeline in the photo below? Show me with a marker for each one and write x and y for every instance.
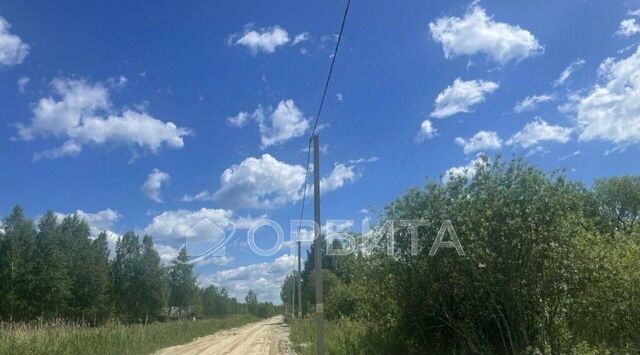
(551, 266)
(58, 271)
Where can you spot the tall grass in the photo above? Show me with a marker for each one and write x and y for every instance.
(341, 336)
(109, 339)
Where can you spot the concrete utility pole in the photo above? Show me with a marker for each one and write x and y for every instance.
(317, 245)
(299, 280)
(293, 294)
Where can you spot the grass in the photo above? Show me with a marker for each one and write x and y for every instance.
(340, 337)
(111, 338)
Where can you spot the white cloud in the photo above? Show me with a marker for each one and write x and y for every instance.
(302, 37)
(264, 278)
(467, 171)
(628, 27)
(68, 148)
(264, 40)
(483, 140)
(426, 131)
(339, 176)
(22, 84)
(12, 50)
(531, 102)
(155, 180)
(286, 122)
(166, 252)
(266, 183)
(339, 97)
(261, 183)
(477, 32)
(203, 195)
(204, 225)
(566, 73)
(81, 112)
(539, 130)
(276, 126)
(371, 159)
(461, 96)
(239, 120)
(610, 110)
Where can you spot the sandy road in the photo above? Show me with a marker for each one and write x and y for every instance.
(269, 336)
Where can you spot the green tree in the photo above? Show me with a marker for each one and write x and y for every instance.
(101, 281)
(124, 276)
(150, 281)
(53, 282)
(182, 283)
(251, 300)
(17, 265)
(86, 259)
(619, 202)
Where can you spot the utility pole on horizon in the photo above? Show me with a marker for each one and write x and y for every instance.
(317, 245)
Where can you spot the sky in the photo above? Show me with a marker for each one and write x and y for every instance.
(192, 120)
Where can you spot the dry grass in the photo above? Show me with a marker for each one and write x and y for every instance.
(113, 338)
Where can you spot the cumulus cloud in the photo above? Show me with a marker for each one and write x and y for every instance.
(284, 123)
(610, 110)
(539, 130)
(467, 171)
(531, 102)
(276, 126)
(339, 176)
(426, 131)
(266, 183)
(204, 225)
(260, 183)
(628, 27)
(12, 50)
(264, 40)
(82, 113)
(483, 140)
(566, 73)
(264, 278)
(461, 96)
(476, 32)
(153, 184)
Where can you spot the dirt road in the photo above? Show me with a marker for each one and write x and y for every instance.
(270, 336)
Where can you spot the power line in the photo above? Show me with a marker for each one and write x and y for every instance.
(324, 94)
(313, 132)
(333, 61)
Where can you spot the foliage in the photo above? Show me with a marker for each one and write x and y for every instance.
(59, 272)
(550, 266)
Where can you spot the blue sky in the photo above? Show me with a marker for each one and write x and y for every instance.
(153, 116)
